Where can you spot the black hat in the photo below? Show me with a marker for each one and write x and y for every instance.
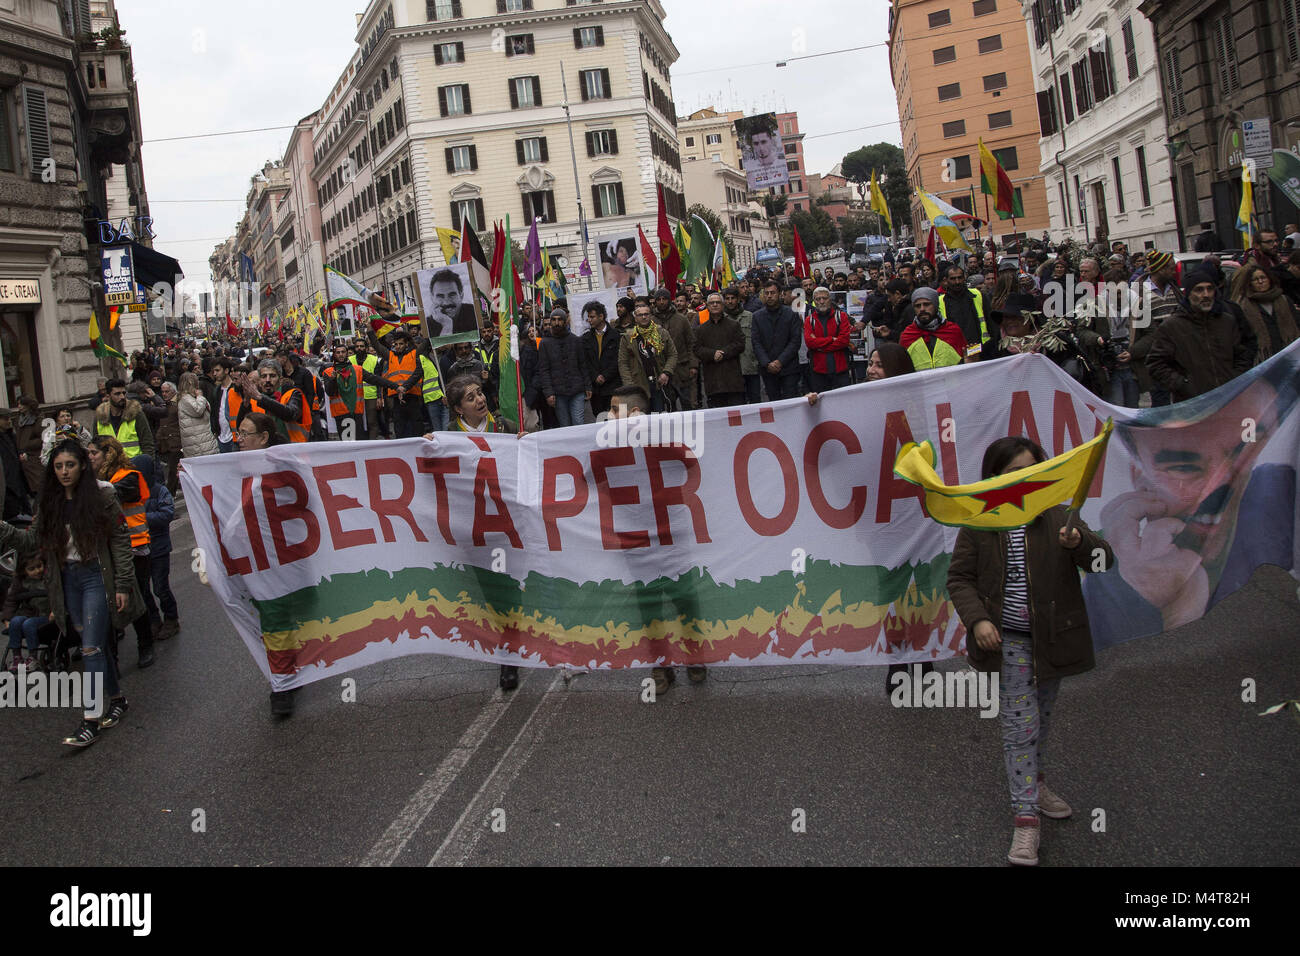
(662, 293)
(1017, 303)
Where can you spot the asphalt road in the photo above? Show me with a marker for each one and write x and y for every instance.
(430, 756)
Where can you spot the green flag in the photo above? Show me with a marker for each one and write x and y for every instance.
(508, 387)
(683, 242)
(1017, 208)
(699, 266)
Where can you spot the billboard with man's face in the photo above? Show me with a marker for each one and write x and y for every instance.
(761, 154)
(447, 304)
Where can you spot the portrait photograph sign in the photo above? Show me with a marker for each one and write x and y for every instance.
(578, 302)
(761, 153)
(621, 266)
(447, 304)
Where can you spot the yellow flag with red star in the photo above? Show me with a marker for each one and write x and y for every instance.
(1006, 501)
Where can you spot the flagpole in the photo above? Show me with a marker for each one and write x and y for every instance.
(577, 185)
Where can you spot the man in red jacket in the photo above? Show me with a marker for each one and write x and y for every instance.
(826, 330)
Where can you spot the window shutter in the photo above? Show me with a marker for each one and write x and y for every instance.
(613, 142)
(501, 6)
(1045, 125)
(604, 84)
(38, 128)
(600, 36)
(519, 151)
(528, 207)
(591, 144)
(582, 85)
(478, 214)
(514, 95)
(455, 9)
(442, 101)
(1291, 19)
(577, 38)
(437, 54)
(451, 162)
(1098, 70)
(531, 48)
(465, 90)
(1066, 100)
(618, 198)
(545, 155)
(473, 158)
(455, 216)
(549, 212)
(595, 201)
(537, 91)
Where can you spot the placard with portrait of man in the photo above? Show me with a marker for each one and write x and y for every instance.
(761, 154)
(447, 304)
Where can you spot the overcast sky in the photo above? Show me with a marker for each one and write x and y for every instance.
(206, 68)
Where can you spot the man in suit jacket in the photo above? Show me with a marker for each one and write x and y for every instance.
(777, 333)
(601, 343)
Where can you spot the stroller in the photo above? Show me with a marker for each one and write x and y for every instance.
(55, 648)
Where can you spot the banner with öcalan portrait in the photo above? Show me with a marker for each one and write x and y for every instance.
(764, 534)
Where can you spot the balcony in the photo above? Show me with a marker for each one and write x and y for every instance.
(108, 83)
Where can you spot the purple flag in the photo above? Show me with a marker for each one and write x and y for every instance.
(585, 268)
(533, 255)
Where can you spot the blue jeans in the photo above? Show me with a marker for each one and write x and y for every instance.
(571, 409)
(225, 447)
(1123, 387)
(24, 629)
(160, 575)
(87, 604)
(437, 414)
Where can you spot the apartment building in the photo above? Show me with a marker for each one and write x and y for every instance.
(961, 71)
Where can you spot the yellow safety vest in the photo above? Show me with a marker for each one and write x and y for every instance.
(370, 363)
(943, 356)
(431, 385)
(984, 329)
(126, 433)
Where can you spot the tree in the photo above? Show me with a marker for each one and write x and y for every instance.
(774, 205)
(816, 228)
(887, 160)
(856, 225)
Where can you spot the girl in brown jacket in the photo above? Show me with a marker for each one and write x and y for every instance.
(1018, 594)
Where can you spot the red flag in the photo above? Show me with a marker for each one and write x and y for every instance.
(929, 247)
(231, 329)
(802, 267)
(647, 251)
(498, 255)
(668, 254)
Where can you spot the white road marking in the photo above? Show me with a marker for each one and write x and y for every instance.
(469, 829)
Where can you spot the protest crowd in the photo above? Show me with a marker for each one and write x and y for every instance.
(1136, 328)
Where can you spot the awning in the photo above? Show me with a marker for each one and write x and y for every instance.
(151, 266)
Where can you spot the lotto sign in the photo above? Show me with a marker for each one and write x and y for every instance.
(119, 277)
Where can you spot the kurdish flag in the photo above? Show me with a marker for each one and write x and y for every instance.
(508, 390)
(995, 182)
(102, 349)
(941, 217)
(699, 263)
(1007, 501)
(683, 243)
(878, 203)
(1247, 210)
(341, 290)
(723, 274)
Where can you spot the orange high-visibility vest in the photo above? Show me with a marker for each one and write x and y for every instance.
(296, 431)
(338, 407)
(137, 522)
(233, 401)
(402, 368)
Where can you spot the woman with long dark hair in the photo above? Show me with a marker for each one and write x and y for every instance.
(80, 530)
(1018, 594)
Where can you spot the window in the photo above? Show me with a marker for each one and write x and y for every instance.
(520, 44)
(960, 167)
(539, 205)
(399, 114)
(995, 81)
(1066, 99)
(7, 161)
(584, 37)
(1225, 54)
(1144, 187)
(940, 18)
(607, 199)
(796, 186)
(791, 148)
(467, 212)
(525, 91)
(461, 159)
(789, 128)
(1130, 49)
(1119, 183)
(945, 54)
(949, 91)
(442, 9)
(38, 129)
(594, 84)
(712, 139)
(1100, 72)
(1065, 204)
(1174, 84)
(1291, 27)
(1007, 158)
(514, 6)
(984, 7)
(990, 44)
(690, 140)
(531, 150)
(1039, 17)
(1002, 120)
(1082, 94)
(412, 226)
(954, 128)
(449, 53)
(602, 142)
(383, 79)
(964, 204)
(454, 100)
(1079, 198)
